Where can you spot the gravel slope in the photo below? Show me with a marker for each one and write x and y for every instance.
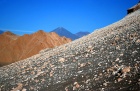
(105, 60)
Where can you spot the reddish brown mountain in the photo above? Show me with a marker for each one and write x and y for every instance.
(15, 48)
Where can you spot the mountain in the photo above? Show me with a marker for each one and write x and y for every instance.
(81, 34)
(106, 60)
(15, 48)
(64, 32)
(10, 35)
(1, 31)
(5, 39)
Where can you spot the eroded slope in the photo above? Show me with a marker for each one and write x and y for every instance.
(15, 48)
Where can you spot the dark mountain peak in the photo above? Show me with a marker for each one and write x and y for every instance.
(60, 29)
(64, 32)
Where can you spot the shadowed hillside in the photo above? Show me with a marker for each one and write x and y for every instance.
(105, 60)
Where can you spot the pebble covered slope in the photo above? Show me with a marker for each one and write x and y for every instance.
(106, 60)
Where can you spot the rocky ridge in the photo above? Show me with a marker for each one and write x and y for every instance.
(15, 48)
(105, 60)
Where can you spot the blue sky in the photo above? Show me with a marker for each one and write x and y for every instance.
(28, 16)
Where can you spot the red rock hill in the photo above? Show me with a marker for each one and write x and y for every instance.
(15, 48)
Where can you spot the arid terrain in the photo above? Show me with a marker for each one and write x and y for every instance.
(106, 60)
(15, 48)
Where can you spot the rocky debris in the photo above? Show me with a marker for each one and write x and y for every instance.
(106, 60)
(18, 88)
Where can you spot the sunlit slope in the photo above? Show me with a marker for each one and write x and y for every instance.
(14, 48)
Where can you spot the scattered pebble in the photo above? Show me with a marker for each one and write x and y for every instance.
(61, 60)
(126, 69)
(119, 79)
(82, 64)
(76, 84)
(138, 41)
(105, 84)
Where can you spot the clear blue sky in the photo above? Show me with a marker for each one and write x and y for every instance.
(28, 16)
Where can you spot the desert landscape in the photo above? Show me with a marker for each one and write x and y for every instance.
(105, 60)
(108, 59)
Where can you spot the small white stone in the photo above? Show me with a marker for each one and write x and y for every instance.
(61, 60)
(75, 83)
(105, 84)
(117, 59)
(24, 89)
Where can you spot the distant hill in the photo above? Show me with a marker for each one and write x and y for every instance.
(14, 48)
(1, 31)
(64, 32)
(81, 34)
